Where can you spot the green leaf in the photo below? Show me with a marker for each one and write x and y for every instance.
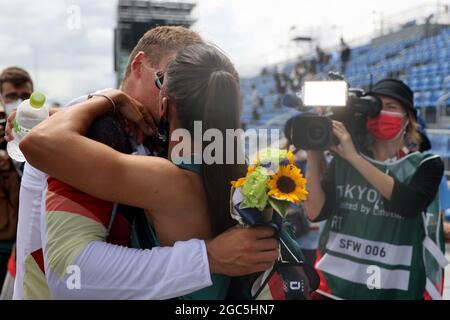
(255, 190)
(280, 206)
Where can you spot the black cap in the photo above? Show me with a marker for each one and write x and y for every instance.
(397, 90)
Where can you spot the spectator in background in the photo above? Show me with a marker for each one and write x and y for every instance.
(257, 102)
(290, 82)
(345, 56)
(15, 86)
(300, 71)
(311, 71)
(300, 66)
(264, 72)
(279, 81)
(322, 59)
(280, 85)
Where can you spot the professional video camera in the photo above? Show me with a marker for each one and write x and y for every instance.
(351, 106)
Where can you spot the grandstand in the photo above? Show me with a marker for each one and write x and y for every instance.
(135, 17)
(423, 63)
(418, 52)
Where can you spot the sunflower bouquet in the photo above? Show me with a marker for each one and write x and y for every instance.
(271, 185)
(263, 197)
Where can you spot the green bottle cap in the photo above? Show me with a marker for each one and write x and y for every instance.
(37, 100)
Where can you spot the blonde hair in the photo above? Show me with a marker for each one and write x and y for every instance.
(161, 41)
(412, 133)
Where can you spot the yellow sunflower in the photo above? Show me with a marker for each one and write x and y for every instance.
(288, 184)
(291, 157)
(241, 181)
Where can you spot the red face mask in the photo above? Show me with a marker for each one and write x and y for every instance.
(387, 126)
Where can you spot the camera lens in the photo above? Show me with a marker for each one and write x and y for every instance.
(310, 132)
(316, 132)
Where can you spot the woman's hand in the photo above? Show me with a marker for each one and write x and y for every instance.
(382, 182)
(345, 149)
(137, 119)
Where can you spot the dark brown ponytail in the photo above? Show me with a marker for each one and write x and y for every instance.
(205, 86)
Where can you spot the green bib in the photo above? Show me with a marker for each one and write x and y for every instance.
(368, 252)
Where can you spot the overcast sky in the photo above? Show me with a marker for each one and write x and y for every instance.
(68, 57)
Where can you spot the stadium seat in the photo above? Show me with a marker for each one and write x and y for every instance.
(435, 83)
(414, 84)
(433, 69)
(423, 64)
(435, 95)
(418, 100)
(427, 101)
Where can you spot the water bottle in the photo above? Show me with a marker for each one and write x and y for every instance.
(30, 113)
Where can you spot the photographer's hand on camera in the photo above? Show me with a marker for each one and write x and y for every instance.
(382, 182)
(345, 149)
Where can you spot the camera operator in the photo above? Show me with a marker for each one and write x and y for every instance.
(378, 243)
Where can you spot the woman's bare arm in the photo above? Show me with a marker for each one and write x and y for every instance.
(381, 181)
(316, 198)
(57, 146)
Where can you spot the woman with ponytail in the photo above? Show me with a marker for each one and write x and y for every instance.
(184, 196)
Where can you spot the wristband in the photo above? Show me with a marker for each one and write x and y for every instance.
(104, 96)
